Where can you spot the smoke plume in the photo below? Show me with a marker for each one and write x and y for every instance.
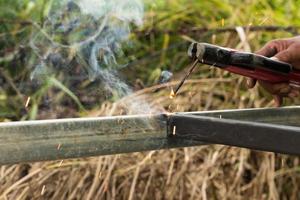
(88, 33)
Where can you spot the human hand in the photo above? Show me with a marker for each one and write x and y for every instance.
(285, 50)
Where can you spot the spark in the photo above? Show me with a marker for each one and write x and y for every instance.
(27, 102)
(172, 94)
(174, 130)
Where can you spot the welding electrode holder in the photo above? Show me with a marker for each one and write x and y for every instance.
(244, 63)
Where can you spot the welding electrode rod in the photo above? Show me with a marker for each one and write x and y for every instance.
(186, 76)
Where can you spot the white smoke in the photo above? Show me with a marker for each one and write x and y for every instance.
(91, 34)
(125, 10)
(96, 8)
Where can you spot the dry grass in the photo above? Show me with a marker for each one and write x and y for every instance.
(205, 172)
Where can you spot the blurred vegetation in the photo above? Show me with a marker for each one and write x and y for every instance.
(206, 172)
(159, 45)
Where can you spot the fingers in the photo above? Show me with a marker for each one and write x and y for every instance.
(285, 50)
(278, 100)
(294, 93)
(284, 56)
(250, 83)
(281, 89)
(277, 90)
(268, 50)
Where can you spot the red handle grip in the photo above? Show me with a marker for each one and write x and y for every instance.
(292, 78)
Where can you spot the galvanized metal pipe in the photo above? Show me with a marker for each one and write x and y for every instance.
(73, 138)
(252, 135)
(283, 116)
